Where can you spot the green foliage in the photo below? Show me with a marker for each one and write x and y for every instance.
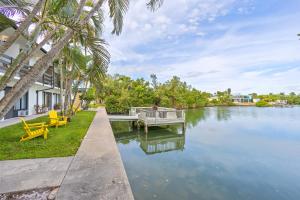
(90, 95)
(5, 22)
(119, 93)
(62, 141)
(292, 98)
(262, 103)
(222, 98)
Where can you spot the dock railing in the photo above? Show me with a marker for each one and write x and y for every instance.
(159, 116)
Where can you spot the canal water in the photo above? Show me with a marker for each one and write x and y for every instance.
(225, 153)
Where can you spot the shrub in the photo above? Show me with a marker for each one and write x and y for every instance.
(262, 103)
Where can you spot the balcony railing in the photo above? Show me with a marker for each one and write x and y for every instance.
(48, 78)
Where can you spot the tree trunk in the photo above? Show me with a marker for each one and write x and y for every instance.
(24, 26)
(67, 94)
(39, 68)
(22, 59)
(75, 95)
(61, 85)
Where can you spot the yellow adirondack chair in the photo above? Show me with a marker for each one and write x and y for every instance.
(33, 130)
(56, 120)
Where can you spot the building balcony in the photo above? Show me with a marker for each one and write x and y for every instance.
(49, 78)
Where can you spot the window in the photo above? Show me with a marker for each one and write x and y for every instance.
(22, 103)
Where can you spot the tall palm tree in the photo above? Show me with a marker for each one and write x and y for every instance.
(52, 12)
(10, 7)
(117, 10)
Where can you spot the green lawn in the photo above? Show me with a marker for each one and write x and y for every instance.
(62, 141)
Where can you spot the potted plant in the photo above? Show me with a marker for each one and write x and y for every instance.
(57, 106)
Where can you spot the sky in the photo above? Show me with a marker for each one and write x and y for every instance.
(246, 45)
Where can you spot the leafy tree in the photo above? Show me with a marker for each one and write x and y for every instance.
(154, 80)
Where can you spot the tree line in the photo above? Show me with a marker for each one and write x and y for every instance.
(119, 93)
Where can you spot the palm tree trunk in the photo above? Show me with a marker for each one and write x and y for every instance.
(22, 59)
(24, 26)
(61, 85)
(39, 67)
(67, 90)
(75, 94)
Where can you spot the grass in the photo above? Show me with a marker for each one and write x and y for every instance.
(62, 141)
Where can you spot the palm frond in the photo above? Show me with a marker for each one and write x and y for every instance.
(98, 23)
(56, 5)
(154, 4)
(97, 48)
(5, 22)
(12, 8)
(117, 10)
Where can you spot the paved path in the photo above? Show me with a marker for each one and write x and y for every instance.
(26, 174)
(15, 120)
(97, 171)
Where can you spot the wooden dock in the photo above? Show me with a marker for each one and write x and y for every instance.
(149, 117)
(123, 118)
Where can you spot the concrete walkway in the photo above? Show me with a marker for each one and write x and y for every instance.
(15, 120)
(26, 174)
(97, 171)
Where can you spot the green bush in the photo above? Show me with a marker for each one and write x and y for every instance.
(262, 103)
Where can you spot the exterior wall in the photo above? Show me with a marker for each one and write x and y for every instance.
(1, 94)
(33, 97)
(31, 101)
(242, 99)
(13, 51)
(256, 100)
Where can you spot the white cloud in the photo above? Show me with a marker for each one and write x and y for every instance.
(186, 38)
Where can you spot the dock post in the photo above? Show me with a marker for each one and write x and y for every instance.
(183, 128)
(138, 125)
(146, 128)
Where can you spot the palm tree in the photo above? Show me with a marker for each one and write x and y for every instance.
(11, 7)
(70, 28)
(46, 21)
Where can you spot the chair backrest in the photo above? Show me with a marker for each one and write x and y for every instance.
(52, 114)
(25, 125)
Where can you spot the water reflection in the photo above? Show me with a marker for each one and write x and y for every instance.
(194, 116)
(162, 141)
(159, 140)
(223, 113)
(225, 154)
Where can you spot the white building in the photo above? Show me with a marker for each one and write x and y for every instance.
(43, 95)
(255, 100)
(242, 99)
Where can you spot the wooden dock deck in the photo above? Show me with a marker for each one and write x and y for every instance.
(124, 118)
(149, 117)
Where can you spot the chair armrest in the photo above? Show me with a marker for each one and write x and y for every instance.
(63, 118)
(36, 124)
(54, 118)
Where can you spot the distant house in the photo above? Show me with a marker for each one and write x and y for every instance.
(256, 100)
(281, 102)
(214, 97)
(242, 99)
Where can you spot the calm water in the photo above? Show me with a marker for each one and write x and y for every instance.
(226, 153)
